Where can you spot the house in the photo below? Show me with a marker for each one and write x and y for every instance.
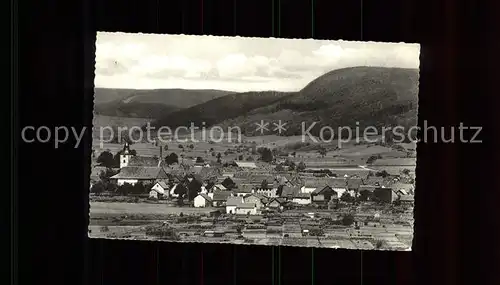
(244, 190)
(257, 199)
(339, 185)
(407, 199)
(385, 194)
(311, 184)
(219, 198)
(219, 187)
(245, 164)
(302, 198)
(277, 203)
(353, 184)
(246, 209)
(366, 192)
(323, 194)
(202, 201)
(289, 192)
(160, 189)
(135, 174)
(232, 203)
(403, 188)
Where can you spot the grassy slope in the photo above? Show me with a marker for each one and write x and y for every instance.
(149, 103)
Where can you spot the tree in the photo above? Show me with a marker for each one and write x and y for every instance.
(266, 154)
(228, 183)
(346, 197)
(301, 167)
(191, 146)
(279, 167)
(199, 160)
(180, 190)
(165, 147)
(98, 188)
(382, 173)
(194, 187)
(279, 191)
(106, 159)
(348, 220)
(125, 189)
(406, 171)
(211, 149)
(213, 153)
(171, 159)
(180, 146)
(264, 184)
(219, 157)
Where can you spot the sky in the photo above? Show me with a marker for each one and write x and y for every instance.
(154, 61)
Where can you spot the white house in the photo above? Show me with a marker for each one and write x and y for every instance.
(246, 209)
(202, 200)
(302, 198)
(269, 192)
(161, 187)
(232, 204)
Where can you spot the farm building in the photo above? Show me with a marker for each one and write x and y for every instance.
(232, 203)
(403, 188)
(384, 194)
(277, 203)
(407, 199)
(302, 198)
(246, 209)
(366, 192)
(323, 194)
(244, 190)
(219, 198)
(160, 189)
(257, 199)
(135, 174)
(202, 200)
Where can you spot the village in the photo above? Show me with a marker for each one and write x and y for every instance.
(250, 195)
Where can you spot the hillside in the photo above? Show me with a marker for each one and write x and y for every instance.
(370, 96)
(149, 103)
(220, 109)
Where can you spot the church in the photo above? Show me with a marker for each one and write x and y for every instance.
(134, 169)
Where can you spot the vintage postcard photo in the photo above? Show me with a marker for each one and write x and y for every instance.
(262, 141)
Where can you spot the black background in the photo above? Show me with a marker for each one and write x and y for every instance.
(456, 228)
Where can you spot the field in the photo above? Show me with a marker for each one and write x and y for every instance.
(127, 220)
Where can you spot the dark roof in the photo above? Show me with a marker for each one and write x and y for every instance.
(370, 188)
(373, 180)
(279, 200)
(246, 205)
(262, 198)
(302, 195)
(354, 183)
(143, 161)
(406, 198)
(140, 172)
(221, 195)
(233, 201)
(245, 188)
(290, 191)
(338, 183)
(320, 190)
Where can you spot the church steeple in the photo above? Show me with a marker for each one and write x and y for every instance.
(125, 155)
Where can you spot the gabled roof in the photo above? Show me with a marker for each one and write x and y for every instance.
(221, 195)
(402, 186)
(143, 161)
(338, 183)
(373, 180)
(320, 190)
(140, 172)
(233, 201)
(302, 196)
(246, 205)
(407, 198)
(162, 184)
(290, 191)
(246, 188)
(354, 183)
(205, 196)
(261, 197)
(279, 200)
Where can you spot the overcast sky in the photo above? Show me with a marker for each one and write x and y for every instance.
(149, 61)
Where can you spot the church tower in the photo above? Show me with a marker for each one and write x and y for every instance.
(125, 156)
